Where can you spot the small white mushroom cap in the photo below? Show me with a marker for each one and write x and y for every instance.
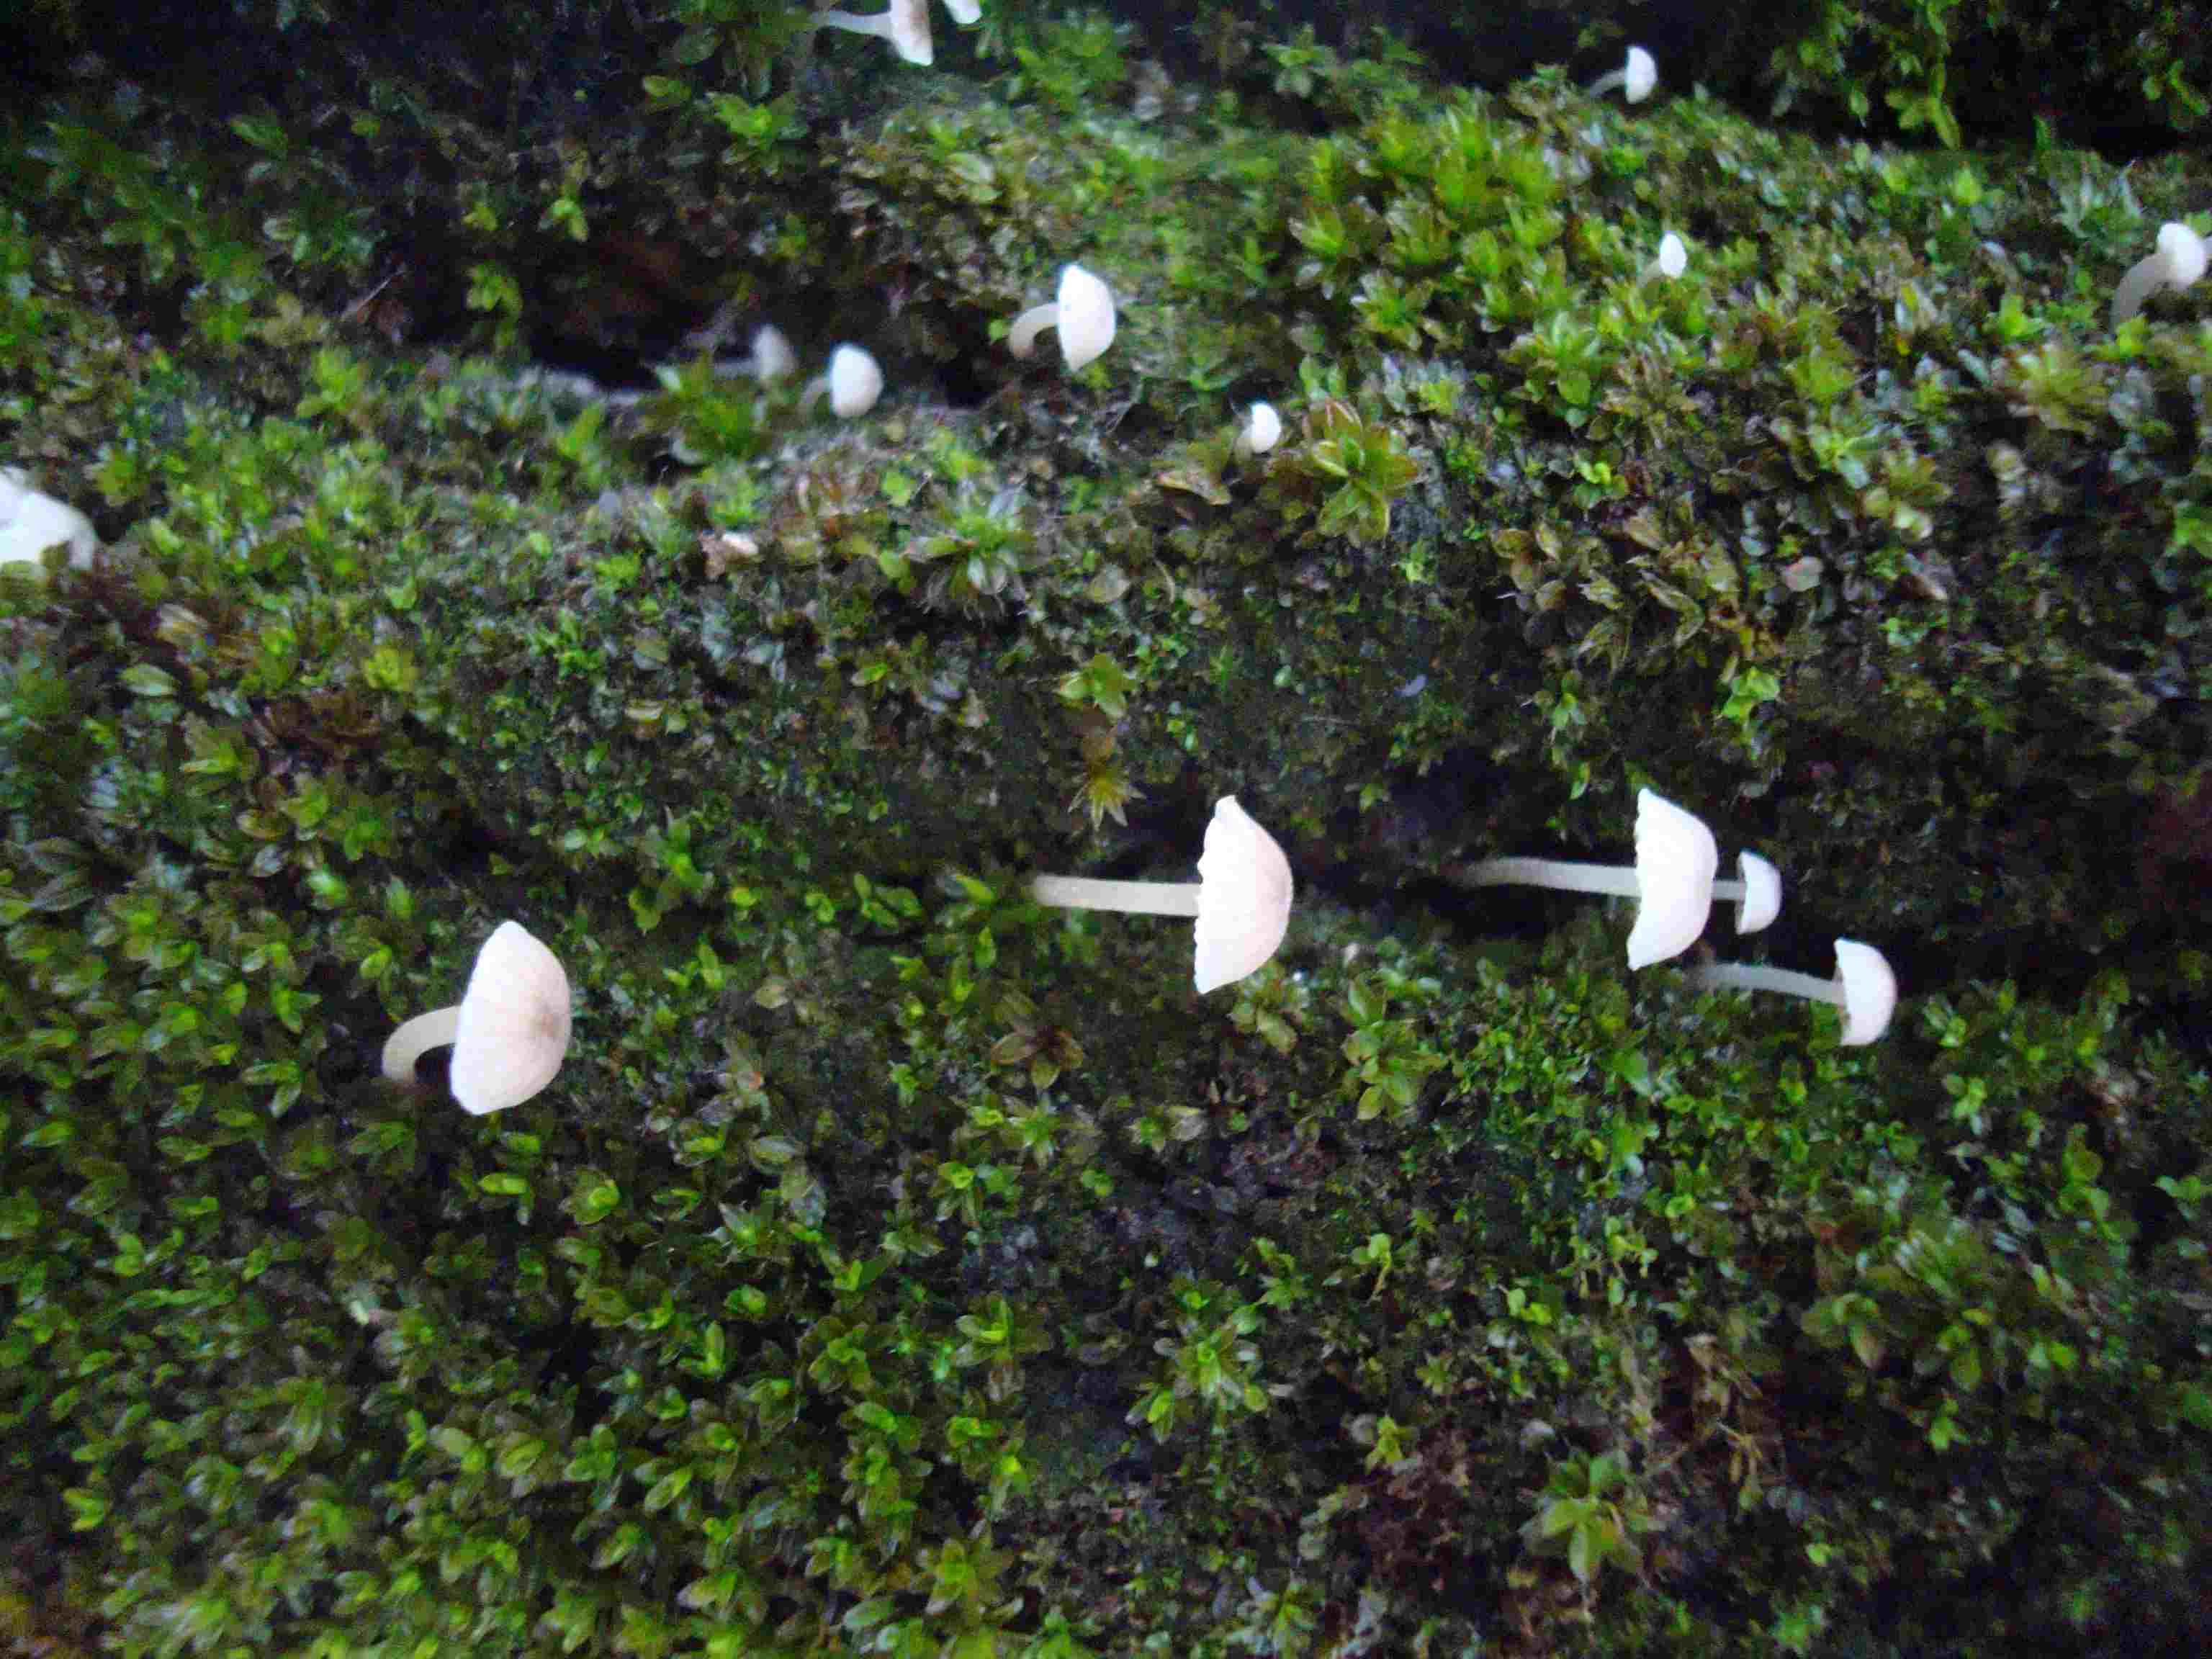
(1243, 900)
(1869, 991)
(1762, 893)
(964, 12)
(856, 381)
(2177, 261)
(2184, 251)
(1676, 860)
(1640, 76)
(1674, 259)
(32, 521)
(773, 357)
(1086, 317)
(1082, 313)
(1263, 428)
(514, 1028)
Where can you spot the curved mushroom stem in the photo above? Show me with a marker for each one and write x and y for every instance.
(878, 23)
(816, 388)
(1568, 876)
(1752, 976)
(1654, 272)
(1606, 83)
(2143, 279)
(1021, 339)
(1135, 898)
(420, 1035)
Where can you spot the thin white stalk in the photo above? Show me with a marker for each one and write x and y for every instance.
(1727, 887)
(1751, 977)
(877, 24)
(1021, 339)
(1568, 876)
(420, 1035)
(2143, 278)
(1135, 898)
(1606, 83)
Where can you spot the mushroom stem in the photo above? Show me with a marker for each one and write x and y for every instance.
(2143, 278)
(1606, 83)
(1753, 977)
(878, 23)
(1135, 898)
(1021, 339)
(1727, 887)
(434, 1030)
(1618, 879)
(816, 389)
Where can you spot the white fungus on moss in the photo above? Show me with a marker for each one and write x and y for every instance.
(854, 381)
(1636, 78)
(1671, 881)
(509, 1031)
(32, 521)
(1241, 901)
(1082, 313)
(1863, 987)
(2176, 262)
(906, 26)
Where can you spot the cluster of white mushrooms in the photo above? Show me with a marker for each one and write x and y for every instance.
(1672, 884)
(509, 1032)
(1241, 906)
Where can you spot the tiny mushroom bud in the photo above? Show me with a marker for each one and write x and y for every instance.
(1261, 430)
(509, 1031)
(1863, 987)
(31, 522)
(1083, 313)
(1672, 260)
(854, 382)
(1759, 890)
(1636, 77)
(2178, 262)
(1672, 881)
(906, 26)
(1241, 900)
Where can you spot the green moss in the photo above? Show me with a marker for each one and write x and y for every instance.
(898, 1266)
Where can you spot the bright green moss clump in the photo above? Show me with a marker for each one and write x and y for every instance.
(897, 1267)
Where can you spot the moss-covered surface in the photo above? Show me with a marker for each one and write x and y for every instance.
(896, 1267)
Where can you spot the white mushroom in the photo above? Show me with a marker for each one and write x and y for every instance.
(1636, 77)
(1672, 880)
(31, 522)
(1671, 261)
(1863, 987)
(1241, 900)
(854, 382)
(1261, 430)
(964, 12)
(2178, 262)
(509, 1031)
(906, 26)
(772, 355)
(1758, 891)
(1083, 313)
